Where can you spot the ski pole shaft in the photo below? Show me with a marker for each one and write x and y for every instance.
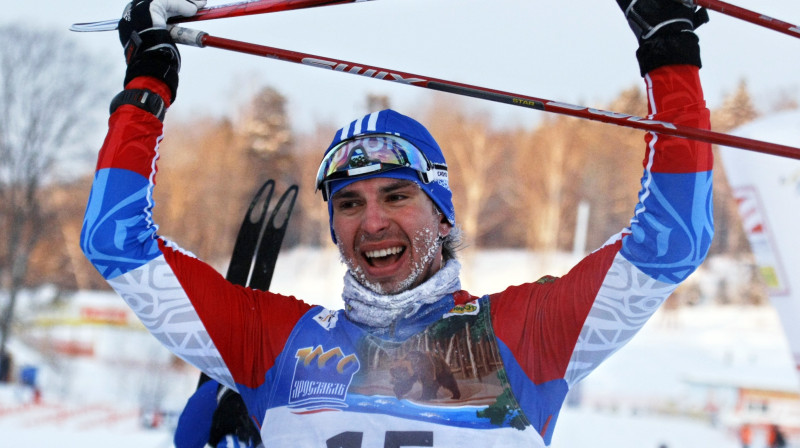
(235, 9)
(202, 39)
(747, 15)
(238, 9)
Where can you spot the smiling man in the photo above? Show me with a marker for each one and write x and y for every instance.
(412, 359)
(391, 214)
(384, 237)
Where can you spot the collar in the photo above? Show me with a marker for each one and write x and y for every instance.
(367, 307)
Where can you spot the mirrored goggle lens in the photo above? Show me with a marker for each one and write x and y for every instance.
(367, 155)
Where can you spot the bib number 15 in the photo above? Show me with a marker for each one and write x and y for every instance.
(393, 439)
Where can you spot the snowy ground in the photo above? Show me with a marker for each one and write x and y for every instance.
(659, 369)
(97, 401)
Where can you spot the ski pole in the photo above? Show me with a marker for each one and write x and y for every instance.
(235, 9)
(746, 15)
(201, 39)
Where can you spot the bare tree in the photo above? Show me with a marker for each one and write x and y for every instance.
(729, 237)
(48, 86)
(310, 219)
(213, 168)
(270, 144)
(476, 157)
(265, 124)
(205, 177)
(736, 110)
(612, 168)
(376, 102)
(547, 168)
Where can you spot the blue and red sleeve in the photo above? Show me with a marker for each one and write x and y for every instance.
(181, 299)
(667, 239)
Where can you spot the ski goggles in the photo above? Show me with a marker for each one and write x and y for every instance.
(372, 154)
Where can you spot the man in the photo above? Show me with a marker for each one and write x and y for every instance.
(412, 360)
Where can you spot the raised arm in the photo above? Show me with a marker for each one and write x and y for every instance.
(575, 322)
(231, 333)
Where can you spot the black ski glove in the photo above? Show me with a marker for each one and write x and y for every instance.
(232, 418)
(665, 30)
(149, 49)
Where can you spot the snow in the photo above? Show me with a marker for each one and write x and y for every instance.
(586, 428)
(630, 401)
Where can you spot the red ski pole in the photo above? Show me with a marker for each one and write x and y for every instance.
(235, 9)
(746, 15)
(196, 38)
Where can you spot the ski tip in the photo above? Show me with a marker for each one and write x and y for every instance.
(90, 27)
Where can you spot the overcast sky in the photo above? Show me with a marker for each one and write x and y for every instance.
(579, 52)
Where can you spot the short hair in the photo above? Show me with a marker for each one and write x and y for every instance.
(451, 244)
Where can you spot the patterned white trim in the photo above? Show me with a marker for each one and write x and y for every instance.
(153, 292)
(624, 303)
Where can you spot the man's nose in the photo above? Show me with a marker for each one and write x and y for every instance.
(375, 219)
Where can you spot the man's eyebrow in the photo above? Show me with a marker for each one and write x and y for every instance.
(345, 194)
(398, 185)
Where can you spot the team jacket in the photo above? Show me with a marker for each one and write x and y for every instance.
(468, 370)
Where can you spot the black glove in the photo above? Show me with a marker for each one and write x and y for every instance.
(232, 418)
(149, 49)
(665, 30)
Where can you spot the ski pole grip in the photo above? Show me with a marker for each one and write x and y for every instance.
(187, 36)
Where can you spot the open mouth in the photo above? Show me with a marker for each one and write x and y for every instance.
(384, 257)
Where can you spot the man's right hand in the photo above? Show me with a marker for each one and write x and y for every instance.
(149, 49)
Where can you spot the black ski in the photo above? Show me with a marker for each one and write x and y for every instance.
(252, 264)
(259, 240)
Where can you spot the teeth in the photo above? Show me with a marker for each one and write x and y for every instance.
(383, 252)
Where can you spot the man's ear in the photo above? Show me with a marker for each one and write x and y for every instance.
(444, 227)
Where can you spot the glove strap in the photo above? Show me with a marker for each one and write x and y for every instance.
(658, 51)
(147, 100)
